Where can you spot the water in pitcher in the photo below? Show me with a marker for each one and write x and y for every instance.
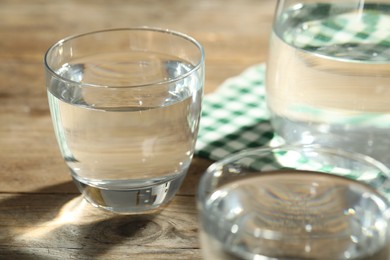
(299, 217)
(328, 78)
(117, 137)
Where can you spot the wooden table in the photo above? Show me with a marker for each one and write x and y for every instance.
(42, 215)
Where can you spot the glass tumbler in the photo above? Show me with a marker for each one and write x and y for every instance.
(328, 74)
(294, 203)
(125, 104)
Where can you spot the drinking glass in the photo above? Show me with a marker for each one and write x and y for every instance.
(125, 104)
(328, 74)
(295, 202)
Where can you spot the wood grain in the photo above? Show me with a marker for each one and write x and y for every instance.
(42, 215)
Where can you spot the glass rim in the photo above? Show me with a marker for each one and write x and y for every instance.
(142, 28)
(202, 192)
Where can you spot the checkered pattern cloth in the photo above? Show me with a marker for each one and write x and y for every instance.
(235, 116)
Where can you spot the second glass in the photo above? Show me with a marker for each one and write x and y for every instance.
(125, 105)
(295, 202)
(328, 74)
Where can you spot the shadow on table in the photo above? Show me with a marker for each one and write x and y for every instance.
(44, 225)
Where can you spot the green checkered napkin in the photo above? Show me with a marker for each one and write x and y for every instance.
(235, 116)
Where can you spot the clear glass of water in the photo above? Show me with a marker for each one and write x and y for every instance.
(125, 104)
(328, 74)
(295, 202)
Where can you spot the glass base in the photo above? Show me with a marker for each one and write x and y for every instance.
(134, 200)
